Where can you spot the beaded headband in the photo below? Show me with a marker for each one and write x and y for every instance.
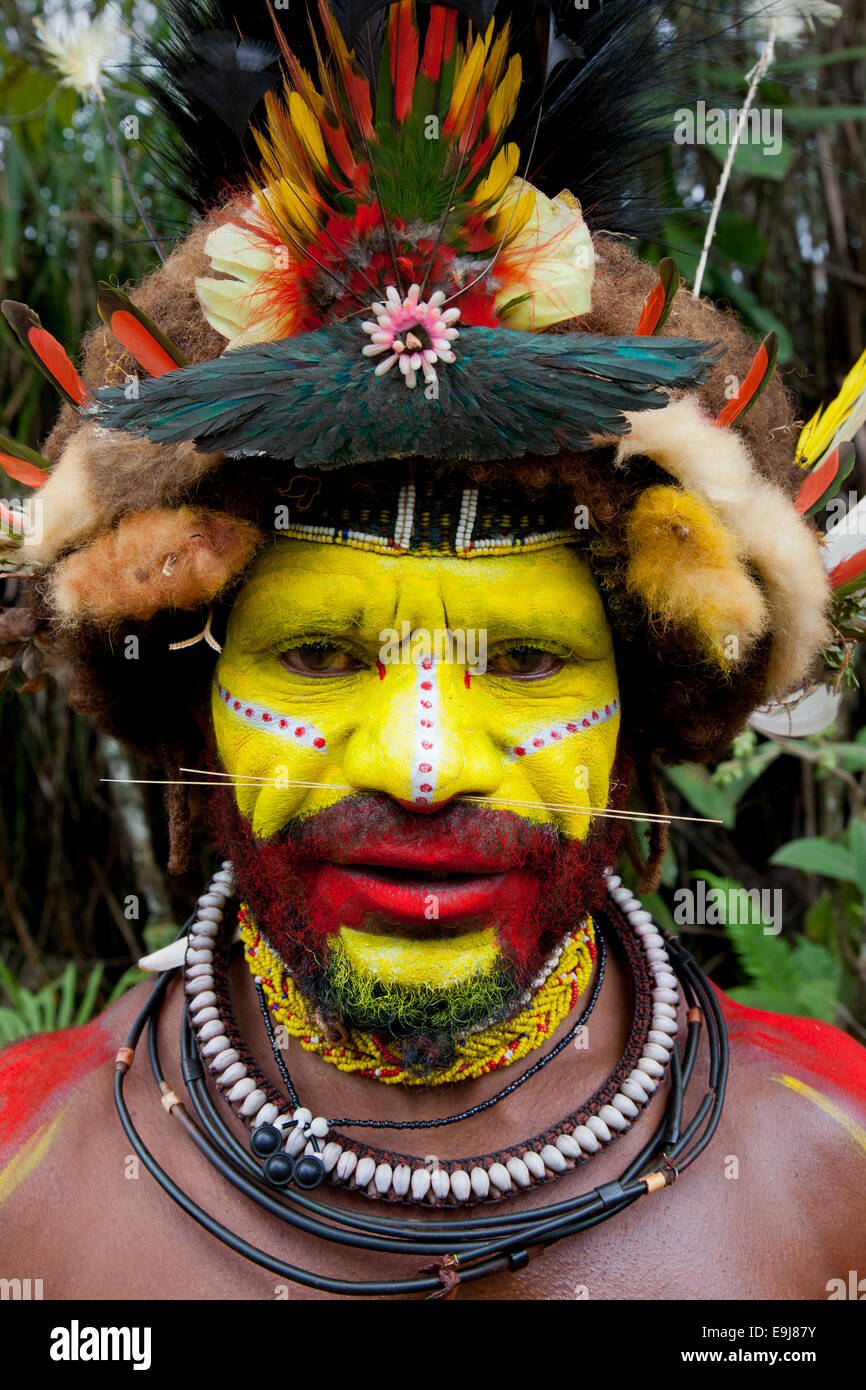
(429, 517)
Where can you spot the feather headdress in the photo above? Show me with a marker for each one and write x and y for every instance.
(385, 208)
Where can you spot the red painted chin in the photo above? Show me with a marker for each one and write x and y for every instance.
(374, 897)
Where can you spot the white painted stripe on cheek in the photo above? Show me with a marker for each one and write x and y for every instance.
(299, 732)
(425, 762)
(546, 735)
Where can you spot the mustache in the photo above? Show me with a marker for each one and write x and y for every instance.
(371, 826)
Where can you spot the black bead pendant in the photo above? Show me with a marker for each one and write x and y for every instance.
(265, 1140)
(309, 1171)
(279, 1169)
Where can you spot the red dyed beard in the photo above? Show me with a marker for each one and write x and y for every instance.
(559, 881)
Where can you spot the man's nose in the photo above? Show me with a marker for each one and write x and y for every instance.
(418, 743)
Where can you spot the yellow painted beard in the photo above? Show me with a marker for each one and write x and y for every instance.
(421, 729)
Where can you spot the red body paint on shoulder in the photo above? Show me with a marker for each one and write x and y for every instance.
(819, 1048)
(38, 1074)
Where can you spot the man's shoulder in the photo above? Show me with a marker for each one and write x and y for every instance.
(804, 1049)
(46, 1077)
(801, 1084)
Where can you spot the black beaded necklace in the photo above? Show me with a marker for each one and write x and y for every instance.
(471, 1110)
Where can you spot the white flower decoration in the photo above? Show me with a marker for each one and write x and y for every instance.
(413, 332)
(81, 49)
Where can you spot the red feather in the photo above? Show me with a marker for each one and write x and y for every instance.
(57, 364)
(652, 307)
(847, 570)
(756, 379)
(9, 519)
(338, 144)
(145, 349)
(817, 483)
(403, 39)
(23, 471)
(439, 44)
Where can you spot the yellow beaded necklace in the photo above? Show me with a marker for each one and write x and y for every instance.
(479, 1053)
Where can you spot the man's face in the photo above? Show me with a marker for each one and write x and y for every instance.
(412, 827)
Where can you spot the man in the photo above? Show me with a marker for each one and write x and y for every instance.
(467, 580)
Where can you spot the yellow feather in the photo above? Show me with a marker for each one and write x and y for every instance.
(496, 61)
(837, 422)
(288, 206)
(500, 108)
(306, 128)
(466, 84)
(312, 96)
(511, 219)
(502, 171)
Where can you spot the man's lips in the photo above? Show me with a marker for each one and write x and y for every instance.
(432, 897)
(437, 854)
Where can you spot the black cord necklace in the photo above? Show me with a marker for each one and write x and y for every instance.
(473, 1109)
(465, 1248)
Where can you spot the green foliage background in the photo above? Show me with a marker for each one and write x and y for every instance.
(790, 254)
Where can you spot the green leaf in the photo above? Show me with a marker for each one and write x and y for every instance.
(816, 117)
(88, 999)
(757, 159)
(817, 856)
(713, 801)
(12, 1027)
(823, 60)
(857, 838)
(68, 982)
(10, 984)
(128, 980)
(850, 756)
(655, 903)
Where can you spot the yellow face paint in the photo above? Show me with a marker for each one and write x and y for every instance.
(440, 963)
(346, 671)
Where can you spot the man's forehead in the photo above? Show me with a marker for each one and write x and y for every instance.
(345, 588)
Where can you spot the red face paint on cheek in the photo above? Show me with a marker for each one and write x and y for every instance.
(380, 667)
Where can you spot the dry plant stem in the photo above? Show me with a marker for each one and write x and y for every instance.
(809, 755)
(129, 801)
(127, 179)
(756, 74)
(16, 916)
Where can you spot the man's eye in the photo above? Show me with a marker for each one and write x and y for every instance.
(524, 661)
(319, 659)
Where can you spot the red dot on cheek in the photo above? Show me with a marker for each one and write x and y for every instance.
(318, 743)
(381, 669)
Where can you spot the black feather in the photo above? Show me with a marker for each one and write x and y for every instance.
(610, 83)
